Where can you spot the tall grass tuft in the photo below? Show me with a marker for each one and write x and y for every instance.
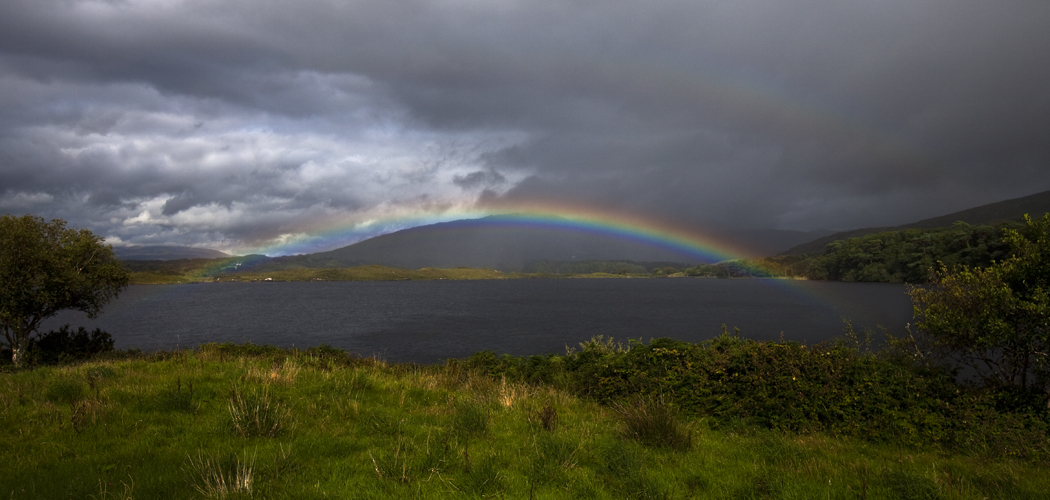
(255, 413)
(105, 494)
(509, 394)
(214, 478)
(654, 422)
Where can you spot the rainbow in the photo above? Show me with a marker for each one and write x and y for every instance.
(692, 245)
(741, 99)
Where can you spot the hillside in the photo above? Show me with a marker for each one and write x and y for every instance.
(481, 243)
(984, 215)
(487, 243)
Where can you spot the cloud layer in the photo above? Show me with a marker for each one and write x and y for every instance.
(237, 124)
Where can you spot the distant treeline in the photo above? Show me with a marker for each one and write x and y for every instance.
(599, 266)
(730, 269)
(897, 256)
(892, 256)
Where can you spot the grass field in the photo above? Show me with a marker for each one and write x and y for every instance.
(265, 423)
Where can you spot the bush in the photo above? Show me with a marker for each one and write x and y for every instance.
(65, 346)
(834, 387)
(993, 319)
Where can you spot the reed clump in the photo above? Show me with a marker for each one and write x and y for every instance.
(254, 412)
(221, 478)
(654, 422)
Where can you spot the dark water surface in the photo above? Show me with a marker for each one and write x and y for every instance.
(427, 321)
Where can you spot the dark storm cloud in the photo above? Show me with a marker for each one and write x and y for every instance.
(238, 123)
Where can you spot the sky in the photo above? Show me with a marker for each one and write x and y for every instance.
(247, 124)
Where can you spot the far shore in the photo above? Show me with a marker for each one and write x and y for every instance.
(363, 273)
(382, 273)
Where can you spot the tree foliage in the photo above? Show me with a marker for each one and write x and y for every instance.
(890, 256)
(904, 256)
(45, 268)
(995, 320)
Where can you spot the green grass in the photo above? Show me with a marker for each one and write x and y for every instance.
(265, 423)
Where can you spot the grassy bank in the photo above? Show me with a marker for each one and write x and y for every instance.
(245, 421)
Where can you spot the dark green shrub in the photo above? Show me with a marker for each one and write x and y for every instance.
(64, 345)
(328, 356)
(540, 370)
(325, 351)
(834, 387)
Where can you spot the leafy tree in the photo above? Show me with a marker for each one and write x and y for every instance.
(45, 268)
(995, 320)
(905, 255)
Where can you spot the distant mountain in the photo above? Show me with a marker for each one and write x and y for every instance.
(991, 214)
(487, 243)
(160, 252)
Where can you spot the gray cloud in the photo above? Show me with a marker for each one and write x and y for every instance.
(236, 124)
(479, 179)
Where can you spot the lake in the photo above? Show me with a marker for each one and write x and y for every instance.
(428, 321)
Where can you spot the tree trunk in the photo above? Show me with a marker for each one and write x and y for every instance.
(17, 354)
(17, 340)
